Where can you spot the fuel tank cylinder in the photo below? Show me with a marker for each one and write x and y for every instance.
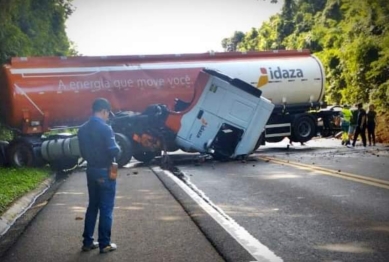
(61, 148)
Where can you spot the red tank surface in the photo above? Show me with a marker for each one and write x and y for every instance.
(38, 94)
(42, 93)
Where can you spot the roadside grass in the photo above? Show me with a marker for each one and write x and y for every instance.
(15, 182)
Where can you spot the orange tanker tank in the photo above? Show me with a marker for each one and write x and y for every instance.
(38, 94)
(41, 93)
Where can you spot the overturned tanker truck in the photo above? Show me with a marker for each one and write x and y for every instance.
(42, 94)
(225, 130)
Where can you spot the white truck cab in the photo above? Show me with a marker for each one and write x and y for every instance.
(227, 119)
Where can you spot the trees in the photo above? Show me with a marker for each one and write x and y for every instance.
(34, 28)
(231, 43)
(351, 37)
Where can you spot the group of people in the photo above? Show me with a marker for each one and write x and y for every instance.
(355, 122)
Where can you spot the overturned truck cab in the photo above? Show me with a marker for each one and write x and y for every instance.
(225, 119)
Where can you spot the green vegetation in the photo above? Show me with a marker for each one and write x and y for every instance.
(14, 183)
(351, 38)
(5, 134)
(29, 28)
(34, 28)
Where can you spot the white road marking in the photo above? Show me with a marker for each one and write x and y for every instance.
(259, 251)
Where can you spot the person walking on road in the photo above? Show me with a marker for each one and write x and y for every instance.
(346, 116)
(371, 122)
(353, 123)
(361, 125)
(99, 148)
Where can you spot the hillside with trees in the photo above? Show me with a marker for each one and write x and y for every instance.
(351, 38)
(34, 28)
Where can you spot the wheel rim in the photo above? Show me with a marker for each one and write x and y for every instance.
(21, 157)
(305, 129)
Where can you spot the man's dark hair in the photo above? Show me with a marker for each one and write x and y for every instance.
(359, 105)
(100, 104)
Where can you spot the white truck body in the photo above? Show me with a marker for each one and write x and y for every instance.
(225, 109)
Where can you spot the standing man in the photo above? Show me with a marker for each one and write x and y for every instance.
(361, 126)
(98, 147)
(371, 123)
(353, 123)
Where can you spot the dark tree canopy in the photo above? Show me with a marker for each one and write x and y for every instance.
(34, 28)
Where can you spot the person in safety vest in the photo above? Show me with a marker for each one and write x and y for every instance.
(346, 116)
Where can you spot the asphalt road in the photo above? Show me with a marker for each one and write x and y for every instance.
(305, 213)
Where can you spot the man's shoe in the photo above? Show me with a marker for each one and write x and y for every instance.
(109, 248)
(94, 245)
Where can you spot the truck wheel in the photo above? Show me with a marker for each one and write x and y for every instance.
(20, 154)
(145, 156)
(304, 129)
(125, 148)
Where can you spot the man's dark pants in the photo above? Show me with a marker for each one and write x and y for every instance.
(362, 132)
(101, 198)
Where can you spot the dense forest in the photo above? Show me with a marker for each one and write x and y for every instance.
(34, 28)
(351, 38)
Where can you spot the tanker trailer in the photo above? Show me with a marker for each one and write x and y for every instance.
(41, 94)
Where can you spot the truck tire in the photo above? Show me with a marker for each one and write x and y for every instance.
(144, 156)
(125, 148)
(304, 128)
(20, 154)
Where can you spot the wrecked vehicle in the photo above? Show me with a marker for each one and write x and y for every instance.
(203, 124)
